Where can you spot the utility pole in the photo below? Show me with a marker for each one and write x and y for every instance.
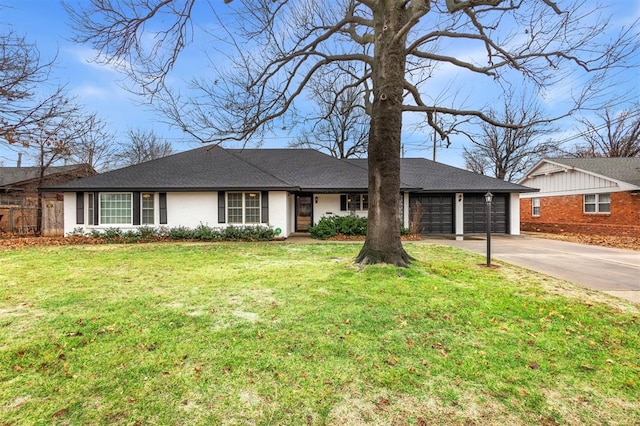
(435, 134)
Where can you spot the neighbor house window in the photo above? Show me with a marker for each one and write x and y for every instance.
(90, 211)
(147, 208)
(535, 206)
(115, 208)
(597, 203)
(357, 201)
(243, 207)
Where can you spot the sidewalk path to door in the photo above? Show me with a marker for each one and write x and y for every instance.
(612, 271)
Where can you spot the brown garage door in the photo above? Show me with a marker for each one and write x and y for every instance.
(474, 214)
(431, 214)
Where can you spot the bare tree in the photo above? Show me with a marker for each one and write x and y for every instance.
(611, 135)
(398, 44)
(341, 125)
(142, 146)
(96, 147)
(23, 75)
(51, 140)
(507, 152)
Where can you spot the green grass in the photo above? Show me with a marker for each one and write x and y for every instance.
(276, 333)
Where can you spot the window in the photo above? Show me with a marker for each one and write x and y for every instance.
(535, 206)
(355, 202)
(115, 208)
(243, 207)
(147, 209)
(90, 210)
(597, 203)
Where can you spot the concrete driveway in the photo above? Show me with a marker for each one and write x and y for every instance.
(612, 271)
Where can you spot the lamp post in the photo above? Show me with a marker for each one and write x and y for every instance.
(488, 197)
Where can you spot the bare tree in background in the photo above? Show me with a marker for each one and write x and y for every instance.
(341, 124)
(23, 76)
(96, 146)
(507, 153)
(52, 139)
(142, 146)
(279, 46)
(611, 135)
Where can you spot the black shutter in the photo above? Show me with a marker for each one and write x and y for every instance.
(343, 202)
(136, 208)
(265, 206)
(162, 198)
(95, 207)
(221, 207)
(80, 208)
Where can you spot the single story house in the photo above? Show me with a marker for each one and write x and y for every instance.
(287, 189)
(19, 193)
(583, 195)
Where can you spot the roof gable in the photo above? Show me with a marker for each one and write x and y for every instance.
(11, 176)
(557, 175)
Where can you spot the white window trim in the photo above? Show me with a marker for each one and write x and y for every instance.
(142, 209)
(535, 203)
(244, 207)
(101, 223)
(596, 203)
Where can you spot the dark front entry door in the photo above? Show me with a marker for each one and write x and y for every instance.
(304, 212)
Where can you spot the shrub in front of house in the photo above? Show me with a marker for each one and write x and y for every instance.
(180, 233)
(330, 226)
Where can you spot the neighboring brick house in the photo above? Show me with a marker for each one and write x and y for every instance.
(583, 195)
(19, 193)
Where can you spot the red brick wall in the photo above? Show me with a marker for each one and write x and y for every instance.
(565, 214)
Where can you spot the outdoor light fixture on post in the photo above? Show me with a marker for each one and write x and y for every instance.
(488, 197)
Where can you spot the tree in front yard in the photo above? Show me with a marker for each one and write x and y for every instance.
(399, 45)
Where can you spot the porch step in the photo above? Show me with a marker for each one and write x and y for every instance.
(300, 234)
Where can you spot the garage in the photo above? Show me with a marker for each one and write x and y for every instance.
(474, 214)
(431, 214)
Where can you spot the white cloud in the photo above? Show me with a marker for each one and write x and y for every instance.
(93, 92)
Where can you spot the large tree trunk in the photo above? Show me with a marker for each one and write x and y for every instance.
(383, 243)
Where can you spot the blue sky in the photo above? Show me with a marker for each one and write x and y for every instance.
(45, 23)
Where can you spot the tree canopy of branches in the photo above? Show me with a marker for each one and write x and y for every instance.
(95, 146)
(341, 126)
(507, 153)
(142, 146)
(279, 46)
(22, 74)
(611, 135)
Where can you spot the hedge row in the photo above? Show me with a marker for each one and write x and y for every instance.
(200, 233)
(330, 226)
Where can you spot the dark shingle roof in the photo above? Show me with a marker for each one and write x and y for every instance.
(431, 176)
(215, 168)
(13, 175)
(624, 169)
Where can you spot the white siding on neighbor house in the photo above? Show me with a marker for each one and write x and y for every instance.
(191, 209)
(570, 182)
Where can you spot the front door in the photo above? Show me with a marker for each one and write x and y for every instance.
(304, 212)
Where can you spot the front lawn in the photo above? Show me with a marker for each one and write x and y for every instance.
(278, 333)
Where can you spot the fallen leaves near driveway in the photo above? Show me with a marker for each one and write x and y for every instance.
(623, 242)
